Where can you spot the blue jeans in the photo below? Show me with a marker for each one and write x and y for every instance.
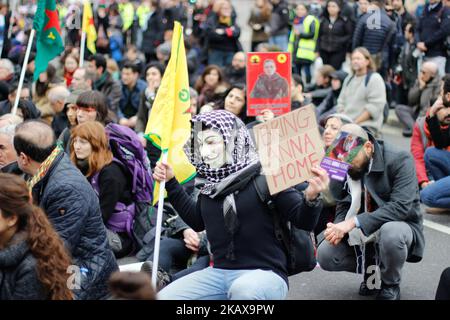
(437, 195)
(220, 284)
(280, 41)
(220, 58)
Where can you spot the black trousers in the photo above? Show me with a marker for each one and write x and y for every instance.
(443, 290)
(335, 59)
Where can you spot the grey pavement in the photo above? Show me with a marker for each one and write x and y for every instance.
(420, 280)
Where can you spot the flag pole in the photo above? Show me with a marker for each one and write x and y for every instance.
(23, 71)
(162, 186)
(82, 48)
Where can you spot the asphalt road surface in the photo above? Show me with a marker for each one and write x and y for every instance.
(420, 280)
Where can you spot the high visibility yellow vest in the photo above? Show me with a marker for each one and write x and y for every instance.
(142, 14)
(306, 47)
(126, 11)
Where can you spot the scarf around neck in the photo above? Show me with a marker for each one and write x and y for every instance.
(45, 167)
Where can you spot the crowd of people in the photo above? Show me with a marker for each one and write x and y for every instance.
(70, 200)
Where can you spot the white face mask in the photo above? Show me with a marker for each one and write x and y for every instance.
(212, 148)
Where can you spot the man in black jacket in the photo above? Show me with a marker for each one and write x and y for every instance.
(71, 205)
(380, 204)
(375, 31)
(430, 36)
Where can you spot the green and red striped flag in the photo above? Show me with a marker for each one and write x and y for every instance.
(49, 43)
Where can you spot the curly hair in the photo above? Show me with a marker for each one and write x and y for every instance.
(45, 244)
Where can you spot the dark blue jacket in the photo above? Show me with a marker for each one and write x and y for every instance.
(18, 272)
(73, 209)
(133, 97)
(372, 32)
(429, 30)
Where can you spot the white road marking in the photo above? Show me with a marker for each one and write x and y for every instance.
(436, 226)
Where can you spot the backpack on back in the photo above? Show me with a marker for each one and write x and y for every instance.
(366, 82)
(299, 244)
(129, 152)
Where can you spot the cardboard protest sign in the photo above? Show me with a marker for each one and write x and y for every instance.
(289, 146)
(268, 82)
(340, 154)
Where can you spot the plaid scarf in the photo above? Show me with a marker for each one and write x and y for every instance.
(45, 166)
(239, 147)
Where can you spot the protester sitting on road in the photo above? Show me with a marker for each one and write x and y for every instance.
(249, 261)
(363, 95)
(90, 106)
(90, 152)
(437, 157)
(56, 97)
(153, 74)
(132, 88)
(210, 84)
(236, 102)
(328, 105)
(71, 205)
(322, 87)
(421, 96)
(46, 81)
(389, 215)
(33, 260)
(8, 156)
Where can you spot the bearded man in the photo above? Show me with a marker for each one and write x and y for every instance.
(378, 221)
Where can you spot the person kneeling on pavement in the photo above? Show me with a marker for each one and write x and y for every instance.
(378, 217)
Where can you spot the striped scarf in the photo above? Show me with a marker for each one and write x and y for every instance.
(45, 166)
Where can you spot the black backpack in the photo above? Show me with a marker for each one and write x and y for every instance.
(299, 244)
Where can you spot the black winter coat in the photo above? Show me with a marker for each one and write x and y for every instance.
(373, 35)
(153, 36)
(429, 30)
(335, 37)
(223, 42)
(73, 209)
(255, 243)
(18, 272)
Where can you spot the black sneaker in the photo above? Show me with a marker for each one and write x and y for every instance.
(389, 292)
(163, 278)
(365, 291)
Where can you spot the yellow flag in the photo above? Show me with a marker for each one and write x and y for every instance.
(169, 125)
(89, 27)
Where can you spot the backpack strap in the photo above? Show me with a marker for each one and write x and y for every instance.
(367, 79)
(262, 190)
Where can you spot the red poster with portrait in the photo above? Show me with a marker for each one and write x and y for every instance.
(268, 82)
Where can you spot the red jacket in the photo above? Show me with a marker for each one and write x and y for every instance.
(418, 148)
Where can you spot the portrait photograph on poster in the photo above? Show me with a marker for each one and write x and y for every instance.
(268, 82)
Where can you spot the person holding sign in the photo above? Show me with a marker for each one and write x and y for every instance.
(270, 85)
(379, 204)
(248, 260)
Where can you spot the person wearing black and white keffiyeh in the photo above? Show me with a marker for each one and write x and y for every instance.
(248, 261)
